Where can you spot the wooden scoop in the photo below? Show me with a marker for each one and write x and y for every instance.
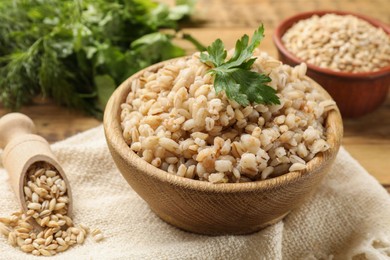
(23, 148)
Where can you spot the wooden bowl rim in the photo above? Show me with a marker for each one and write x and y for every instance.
(114, 137)
(290, 21)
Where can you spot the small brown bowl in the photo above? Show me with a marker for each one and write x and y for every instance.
(355, 93)
(215, 209)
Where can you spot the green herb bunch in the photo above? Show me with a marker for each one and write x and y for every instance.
(235, 76)
(78, 51)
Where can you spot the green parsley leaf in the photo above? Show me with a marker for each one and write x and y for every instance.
(77, 51)
(235, 77)
(217, 54)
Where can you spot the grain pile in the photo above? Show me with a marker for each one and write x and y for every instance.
(47, 202)
(339, 42)
(174, 120)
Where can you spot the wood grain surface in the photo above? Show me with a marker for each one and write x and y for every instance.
(366, 138)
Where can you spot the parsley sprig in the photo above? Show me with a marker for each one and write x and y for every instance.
(78, 51)
(235, 76)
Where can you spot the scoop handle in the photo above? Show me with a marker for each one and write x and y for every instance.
(14, 125)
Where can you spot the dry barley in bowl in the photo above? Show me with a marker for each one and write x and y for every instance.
(174, 120)
(339, 42)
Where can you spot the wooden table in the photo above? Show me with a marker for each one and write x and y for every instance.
(366, 138)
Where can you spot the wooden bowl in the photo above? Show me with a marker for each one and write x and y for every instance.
(355, 93)
(215, 209)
